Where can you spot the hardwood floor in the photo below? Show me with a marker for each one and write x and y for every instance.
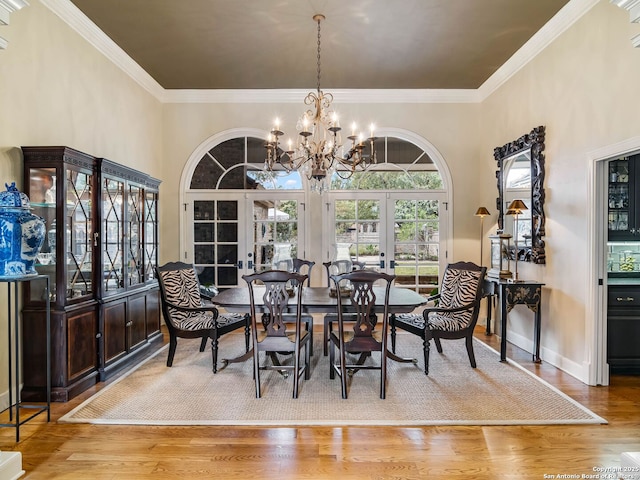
(77, 451)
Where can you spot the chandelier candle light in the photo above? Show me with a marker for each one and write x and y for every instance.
(516, 208)
(319, 152)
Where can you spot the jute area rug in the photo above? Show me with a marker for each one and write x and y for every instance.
(453, 394)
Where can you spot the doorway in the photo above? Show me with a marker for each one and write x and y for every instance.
(393, 232)
(596, 316)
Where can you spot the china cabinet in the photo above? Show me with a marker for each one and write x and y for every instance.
(624, 198)
(99, 252)
(130, 312)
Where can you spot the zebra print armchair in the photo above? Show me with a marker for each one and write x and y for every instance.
(456, 313)
(188, 316)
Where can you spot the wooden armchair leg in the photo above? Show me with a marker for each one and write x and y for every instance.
(173, 343)
(203, 343)
(425, 347)
(472, 357)
(214, 352)
(436, 340)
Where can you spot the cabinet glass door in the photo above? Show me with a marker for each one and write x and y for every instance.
(135, 270)
(78, 230)
(113, 235)
(150, 234)
(42, 190)
(619, 198)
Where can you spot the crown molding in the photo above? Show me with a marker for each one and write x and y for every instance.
(13, 5)
(79, 22)
(340, 96)
(70, 14)
(561, 21)
(632, 6)
(6, 8)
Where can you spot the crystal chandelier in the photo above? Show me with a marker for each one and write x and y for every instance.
(319, 152)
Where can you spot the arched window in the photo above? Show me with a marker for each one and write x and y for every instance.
(401, 165)
(394, 217)
(236, 164)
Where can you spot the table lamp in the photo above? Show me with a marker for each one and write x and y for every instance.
(516, 208)
(482, 212)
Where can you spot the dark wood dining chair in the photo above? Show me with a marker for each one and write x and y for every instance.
(335, 267)
(277, 337)
(456, 313)
(187, 315)
(298, 265)
(360, 333)
(304, 267)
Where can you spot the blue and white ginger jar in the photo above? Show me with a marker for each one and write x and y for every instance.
(21, 234)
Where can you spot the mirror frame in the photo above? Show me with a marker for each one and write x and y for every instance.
(533, 141)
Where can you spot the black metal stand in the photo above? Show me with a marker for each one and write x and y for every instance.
(14, 345)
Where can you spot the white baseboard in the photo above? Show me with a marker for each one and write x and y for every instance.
(4, 400)
(11, 465)
(629, 465)
(581, 372)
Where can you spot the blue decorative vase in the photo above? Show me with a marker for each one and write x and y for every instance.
(21, 234)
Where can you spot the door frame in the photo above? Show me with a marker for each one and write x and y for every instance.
(596, 311)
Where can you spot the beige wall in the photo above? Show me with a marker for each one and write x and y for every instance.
(55, 89)
(584, 88)
(452, 129)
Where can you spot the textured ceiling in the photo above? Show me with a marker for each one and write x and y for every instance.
(366, 44)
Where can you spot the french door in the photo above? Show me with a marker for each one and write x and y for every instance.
(229, 234)
(398, 233)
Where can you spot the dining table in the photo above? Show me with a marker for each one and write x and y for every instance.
(318, 300)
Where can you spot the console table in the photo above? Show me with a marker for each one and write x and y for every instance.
(14, 345)
(523, 292)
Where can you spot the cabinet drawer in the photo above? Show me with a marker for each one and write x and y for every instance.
(627, 296)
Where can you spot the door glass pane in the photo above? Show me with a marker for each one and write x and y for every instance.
(275, 227)
(203, 232)
(215, 238)
(416, 243)
(358, 231)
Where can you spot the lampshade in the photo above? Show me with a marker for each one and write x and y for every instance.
(482, 212)
(516, 207)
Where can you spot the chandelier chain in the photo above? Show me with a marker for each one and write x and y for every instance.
(318, 58)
